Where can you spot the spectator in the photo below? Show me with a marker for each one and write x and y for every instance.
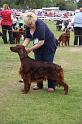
(77, 23)
(6, 24)
(14, 22)
(59, 24)
(44, 43)
(21, 22)
(66, 22)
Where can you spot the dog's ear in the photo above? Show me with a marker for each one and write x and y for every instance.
(23, 53)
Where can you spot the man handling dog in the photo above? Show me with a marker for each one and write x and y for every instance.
(44, 43)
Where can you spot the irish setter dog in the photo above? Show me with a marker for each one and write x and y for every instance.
(32, 70)
(64, 38)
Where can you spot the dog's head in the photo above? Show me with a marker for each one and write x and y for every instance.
(18, 48)
(67, 31)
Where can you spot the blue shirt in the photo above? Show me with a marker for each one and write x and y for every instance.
(78, 19)
(42, 32)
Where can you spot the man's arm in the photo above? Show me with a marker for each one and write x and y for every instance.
(26, 42)
(36, 46)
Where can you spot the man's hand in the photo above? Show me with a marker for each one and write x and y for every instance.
(28, 50)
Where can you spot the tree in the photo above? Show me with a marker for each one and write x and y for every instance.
(36, 4)
(79, 4)
(71, 5)
(61, 4)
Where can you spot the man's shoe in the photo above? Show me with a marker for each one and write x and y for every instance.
(21, 80)
(75, 45)
(51, 90)
(37, 88)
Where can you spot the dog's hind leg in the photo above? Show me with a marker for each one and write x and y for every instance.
(62, 82)
(68, 43)
(65, 87)
(65, 43)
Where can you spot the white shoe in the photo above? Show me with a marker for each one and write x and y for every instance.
(75, 45)
(21, 80)
(36, 88)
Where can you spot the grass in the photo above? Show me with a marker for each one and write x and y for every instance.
(41, 107)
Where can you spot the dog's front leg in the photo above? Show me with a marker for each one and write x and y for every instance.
(27, 84)
(65, 43)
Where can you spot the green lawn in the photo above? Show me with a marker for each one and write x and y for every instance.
(41, 107)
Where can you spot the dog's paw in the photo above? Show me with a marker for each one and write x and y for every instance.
(23, 91)
(65, 93)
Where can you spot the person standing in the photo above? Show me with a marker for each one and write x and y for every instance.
(77, 23)
(6, 24)
(44, 43)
